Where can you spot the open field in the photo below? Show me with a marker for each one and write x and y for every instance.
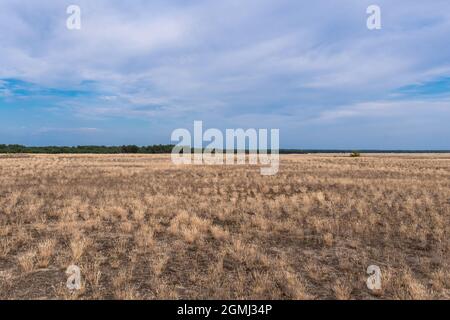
(140, 227)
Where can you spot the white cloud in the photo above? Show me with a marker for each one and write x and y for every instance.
(390, 109)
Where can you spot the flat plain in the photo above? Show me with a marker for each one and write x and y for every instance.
(140, 227)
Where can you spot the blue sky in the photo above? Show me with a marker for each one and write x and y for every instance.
(138, 69)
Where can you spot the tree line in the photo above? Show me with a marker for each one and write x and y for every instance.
(167, 148)
(17, 148)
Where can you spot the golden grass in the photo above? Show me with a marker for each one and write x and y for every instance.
(140, 227)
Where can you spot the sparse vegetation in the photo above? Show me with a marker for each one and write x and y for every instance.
(140, 227)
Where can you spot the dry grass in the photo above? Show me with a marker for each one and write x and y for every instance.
(141, 228)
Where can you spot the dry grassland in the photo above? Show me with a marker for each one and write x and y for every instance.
(140, 227)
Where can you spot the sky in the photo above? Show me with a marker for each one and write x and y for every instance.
(139, 69)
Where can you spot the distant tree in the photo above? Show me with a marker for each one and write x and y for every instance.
(130, 149)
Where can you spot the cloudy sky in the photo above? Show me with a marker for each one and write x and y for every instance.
(139, 69)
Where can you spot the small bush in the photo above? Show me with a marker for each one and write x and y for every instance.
(355, 154)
